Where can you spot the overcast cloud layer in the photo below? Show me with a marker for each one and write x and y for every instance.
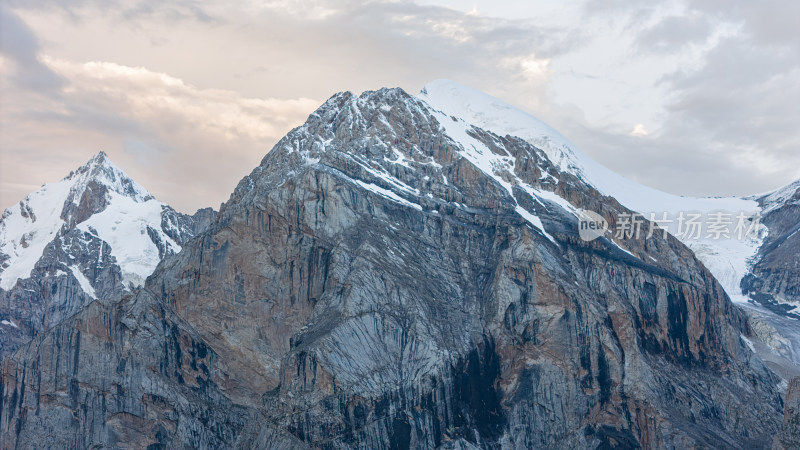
(695, 98)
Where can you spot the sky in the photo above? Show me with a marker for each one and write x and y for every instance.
(696, 98)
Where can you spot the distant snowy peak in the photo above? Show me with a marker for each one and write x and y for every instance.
(101, 174)
(484, 111)
(101, 170)
(89, 237)
(97, 198)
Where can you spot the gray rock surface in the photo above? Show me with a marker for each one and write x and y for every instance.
(774, 278)
(789, 436)
(773, 282)
(368, 286)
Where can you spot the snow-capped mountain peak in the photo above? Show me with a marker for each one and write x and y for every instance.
(779, 197)
(97, 198)
(90, 236)
(101, 171)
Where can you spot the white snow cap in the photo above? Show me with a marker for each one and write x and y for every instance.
(491, 114)
(101, 170)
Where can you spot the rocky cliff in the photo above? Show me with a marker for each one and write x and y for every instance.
(394, 277)
(789, 435)
(774, 279)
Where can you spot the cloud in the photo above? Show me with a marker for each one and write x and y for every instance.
(195, 104)
(20, 51)
(740, 105)
(672, 33)
(127, 10)
(311, 49)
(188, 145)
(145, 95)
(730, 73)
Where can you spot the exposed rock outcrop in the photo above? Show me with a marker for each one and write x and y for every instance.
(789, 436)
(774, 279)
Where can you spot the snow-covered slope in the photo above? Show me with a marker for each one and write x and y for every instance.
(778, 198)
(27, 227)
(726, 258)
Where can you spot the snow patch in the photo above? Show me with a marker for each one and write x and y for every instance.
(487, 162)
(748, 343)
(83, 281)
(387, 193)
(535, 221)
(123, 225)
(27, 227)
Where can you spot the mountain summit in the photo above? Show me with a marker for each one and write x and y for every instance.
(29, 226)
(91, 235)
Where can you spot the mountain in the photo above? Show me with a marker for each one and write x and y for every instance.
(394, 275)
(774, 279)
(772, 282)
(93, 235)
(757, 265)
(726, 258)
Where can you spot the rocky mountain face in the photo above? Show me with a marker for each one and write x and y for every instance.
(392, 276)
(757, 268)
(94, 235)
(789, 435)
(771, 284)
(774, 279)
